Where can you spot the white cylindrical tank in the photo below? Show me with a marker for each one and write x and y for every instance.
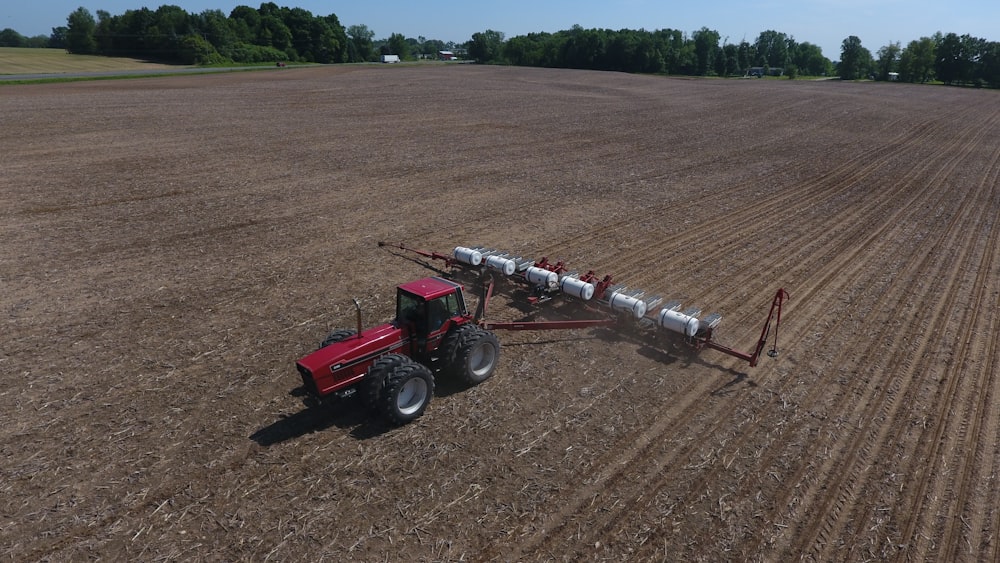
(622, 302)
(500, 264)
(468, 256)
(541, 276)
(678, 322)
(576, 288)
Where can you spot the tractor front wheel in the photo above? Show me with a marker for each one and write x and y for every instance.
(337, 336)
(407, 392)
(372, 385)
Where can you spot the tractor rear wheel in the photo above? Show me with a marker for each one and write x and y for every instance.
(408, 391)
(475, 355)
(372, 385)
(337, 336)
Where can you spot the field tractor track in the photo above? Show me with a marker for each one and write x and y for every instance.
(756, 218)
(967, 395)
(761, 209)
(654, 436)
(817, 391)
(884, 403)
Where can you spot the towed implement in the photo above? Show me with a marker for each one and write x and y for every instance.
(392, 367)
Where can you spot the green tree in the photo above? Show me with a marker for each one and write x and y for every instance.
(245, 22)
(728, 60)
(706, 42)
(584, 48)
(196, 50)
(38, 42)
(916, 61)
(215, 28)
(746, 56)
(80, 32)
(57, 39)
(957, 58)
(990, 64)
(772, 49)
(11, 38)
(274, 33)
(432, 46)
(360, 47)
(397, 45)
(487, 46)
(336, 41)
(888, 60)
(855, 60)
(809, 60)
(534, 49)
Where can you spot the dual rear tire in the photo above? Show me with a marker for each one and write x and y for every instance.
(471, 354)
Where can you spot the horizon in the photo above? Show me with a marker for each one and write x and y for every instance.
(825, 23)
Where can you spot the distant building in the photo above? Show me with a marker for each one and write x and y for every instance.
(446, 56)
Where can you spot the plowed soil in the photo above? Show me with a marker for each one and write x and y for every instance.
(170, 247)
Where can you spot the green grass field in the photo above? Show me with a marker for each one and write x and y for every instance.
(14, 60)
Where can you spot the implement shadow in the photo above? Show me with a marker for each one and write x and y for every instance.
(669, 351)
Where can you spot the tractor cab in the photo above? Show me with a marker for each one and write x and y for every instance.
(427, 305)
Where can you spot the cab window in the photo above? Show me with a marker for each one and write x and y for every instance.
(409, 308)
(440, 310)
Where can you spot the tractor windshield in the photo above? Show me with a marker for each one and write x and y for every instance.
(409, 307)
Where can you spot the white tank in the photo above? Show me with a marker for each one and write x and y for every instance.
(468, 256)
(541, 277)
(500, 264)
(576, 288)
(622, 302)
(678, 322)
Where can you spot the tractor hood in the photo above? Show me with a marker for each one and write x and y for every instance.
(343, 363)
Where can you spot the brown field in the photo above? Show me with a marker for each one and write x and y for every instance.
(170, 247)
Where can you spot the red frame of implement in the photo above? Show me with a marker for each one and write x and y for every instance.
(703, 339)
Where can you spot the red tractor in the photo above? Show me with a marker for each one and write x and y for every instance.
(390, 366)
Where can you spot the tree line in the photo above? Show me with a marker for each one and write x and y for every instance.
(949, 58)
(272, 33)
(247, 35)
(668, 51)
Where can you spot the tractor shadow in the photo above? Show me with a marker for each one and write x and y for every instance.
(347, 414)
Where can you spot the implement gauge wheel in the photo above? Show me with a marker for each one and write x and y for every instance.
(407, 392)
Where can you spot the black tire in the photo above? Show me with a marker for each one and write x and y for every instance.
(474, 355)
(408, 391)
(453, 341)
(337, 336)
(372, 386)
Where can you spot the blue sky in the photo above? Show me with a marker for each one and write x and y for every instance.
(822, 22)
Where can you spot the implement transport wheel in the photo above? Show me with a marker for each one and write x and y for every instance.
(473, 354)
(408, 391)
(337, 336)
(373, 384)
